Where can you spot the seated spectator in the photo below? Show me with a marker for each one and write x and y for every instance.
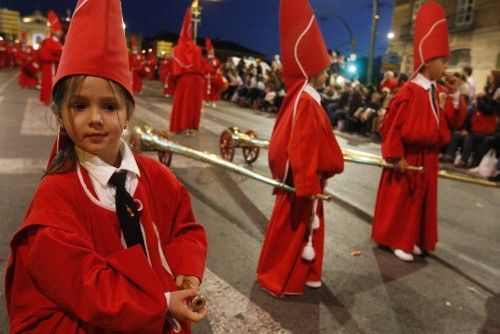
(389, 81)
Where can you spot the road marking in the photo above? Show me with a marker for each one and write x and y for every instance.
(37, 119)
(232, 312)
(7, 83)
(22, 166)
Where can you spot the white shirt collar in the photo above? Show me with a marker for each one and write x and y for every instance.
(313, 93)
(100, 170)
(423, 82)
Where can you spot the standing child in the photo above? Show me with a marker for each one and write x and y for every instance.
(109, 237)
(304, 153)
(415, 126)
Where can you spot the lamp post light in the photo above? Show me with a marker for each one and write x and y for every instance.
(196, 18)
(391, 35)
(375, 18)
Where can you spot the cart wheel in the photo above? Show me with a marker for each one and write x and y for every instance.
(165, 157)
(135, 142)
(250, 153)
(226, 145)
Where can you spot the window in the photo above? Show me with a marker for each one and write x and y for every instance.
(465, 13)
(460, 58)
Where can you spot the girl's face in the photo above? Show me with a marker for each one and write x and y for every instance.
(94, 118)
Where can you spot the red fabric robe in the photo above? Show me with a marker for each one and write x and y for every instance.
(70, 273)
(139, 69)
(215, 80)
(314, 156)
(50, 54)
(166, 76)
(28, 71)
(189, 75)
(406, 206)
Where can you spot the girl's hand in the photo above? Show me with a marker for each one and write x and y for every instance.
(187, 282)
(178, 307)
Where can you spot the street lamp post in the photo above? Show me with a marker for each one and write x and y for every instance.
(196, 18)
(375, 17)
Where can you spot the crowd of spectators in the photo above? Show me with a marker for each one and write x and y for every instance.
(356, 108)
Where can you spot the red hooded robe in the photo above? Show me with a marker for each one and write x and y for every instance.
(189, 75)
(406, 206)
(69, 271)
(304, 153)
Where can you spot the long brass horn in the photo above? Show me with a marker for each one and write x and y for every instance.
(152, 140)
(232, 137)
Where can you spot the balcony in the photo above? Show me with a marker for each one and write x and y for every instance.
(458, 22)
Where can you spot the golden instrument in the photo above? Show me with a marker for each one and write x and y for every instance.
(198, 302)
(467, 179)
(151, 140)
(232, 138)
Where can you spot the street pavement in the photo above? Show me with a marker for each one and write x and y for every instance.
(454, 290)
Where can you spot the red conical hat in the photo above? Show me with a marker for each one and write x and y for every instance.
(208, 45)
(430, 35)
(303, 49)
(55, 24)
(186, 34)
(96, 44)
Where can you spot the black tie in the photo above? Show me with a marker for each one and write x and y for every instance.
(433, 98)
(127, 212)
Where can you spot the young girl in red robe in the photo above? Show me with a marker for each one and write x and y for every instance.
(416, 125)
(109, 238)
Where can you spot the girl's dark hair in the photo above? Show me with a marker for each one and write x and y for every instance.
(66, 159)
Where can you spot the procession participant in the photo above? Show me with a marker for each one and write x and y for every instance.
(215, 79)
(29, 68)
(189, 75)
(50, 54)
(304, 153)
(109, 237)
(166, 75)
(415, 126)
(151, 63)
(138, 66)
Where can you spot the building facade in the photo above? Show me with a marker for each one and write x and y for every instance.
(474, 27)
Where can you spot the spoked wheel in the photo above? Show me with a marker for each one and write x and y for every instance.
(250, 153)
(226, 145)
(165, 157)
(135, 142)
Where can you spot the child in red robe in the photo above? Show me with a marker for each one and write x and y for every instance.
(304, 153)
(416, 125)
(109, 238)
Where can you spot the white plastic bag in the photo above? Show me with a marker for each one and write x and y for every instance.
(488, 163)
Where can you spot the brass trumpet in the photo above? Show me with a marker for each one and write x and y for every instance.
(148, 138)
(198, 302)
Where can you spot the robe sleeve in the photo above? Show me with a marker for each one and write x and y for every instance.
(455, 116)
(392, 144)
(119, 292)
(303, 150)
(186, 249)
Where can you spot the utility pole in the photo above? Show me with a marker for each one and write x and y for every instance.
(371, 56)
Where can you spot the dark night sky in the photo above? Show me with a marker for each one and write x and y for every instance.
(251, 23)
